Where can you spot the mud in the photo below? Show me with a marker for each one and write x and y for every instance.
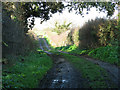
(112, 70)
(62, 75)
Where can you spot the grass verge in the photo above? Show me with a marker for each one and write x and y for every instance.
(107, 54)
(96, 76)
(27, 71)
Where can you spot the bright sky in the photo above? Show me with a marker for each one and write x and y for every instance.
(77, 20)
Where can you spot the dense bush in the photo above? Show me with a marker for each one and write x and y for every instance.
(108, 33)
(98, 32)
(88, 33)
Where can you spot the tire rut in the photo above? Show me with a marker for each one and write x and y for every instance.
(112, 70)
(62, 75)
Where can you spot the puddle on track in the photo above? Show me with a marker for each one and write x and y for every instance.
(62, 75)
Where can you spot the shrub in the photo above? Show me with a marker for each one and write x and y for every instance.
(107, 33)
(88, 33)
(73, 36)
(98, 32)
(108, 54)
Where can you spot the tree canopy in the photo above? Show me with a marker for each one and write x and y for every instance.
(101, 6)
(23, 10)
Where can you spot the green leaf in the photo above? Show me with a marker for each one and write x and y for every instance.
(5, 44)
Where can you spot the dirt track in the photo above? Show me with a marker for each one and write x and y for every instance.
(64, 75)
(114, 71)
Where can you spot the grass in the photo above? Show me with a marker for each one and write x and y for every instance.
(27, 73)
(72, 49)
(96, 75)
(107, 54)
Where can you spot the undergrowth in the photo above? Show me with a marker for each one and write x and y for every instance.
(72, 49)
(27, 71)
(108, 54)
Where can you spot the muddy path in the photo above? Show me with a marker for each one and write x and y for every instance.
(114, 71)
(62, 75)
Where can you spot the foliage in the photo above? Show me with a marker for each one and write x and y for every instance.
(73, 36)
(118, 34)
(98, 32)
(5, 43)
(66, 48)
(109, 38)
(27, 71)
(62, 48)
(108, 54)
(101, 6)
(30, 42)
(88, 34)
(107, 33)
(61, 28)
(16, 12)
(73, 49)
(21, 11)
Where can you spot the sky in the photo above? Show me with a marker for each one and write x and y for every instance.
(77, 20)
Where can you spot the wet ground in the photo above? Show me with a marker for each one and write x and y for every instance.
(62, 75)
(112, 70)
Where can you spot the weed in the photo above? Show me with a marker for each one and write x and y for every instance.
(108, 54)
(28, 73)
